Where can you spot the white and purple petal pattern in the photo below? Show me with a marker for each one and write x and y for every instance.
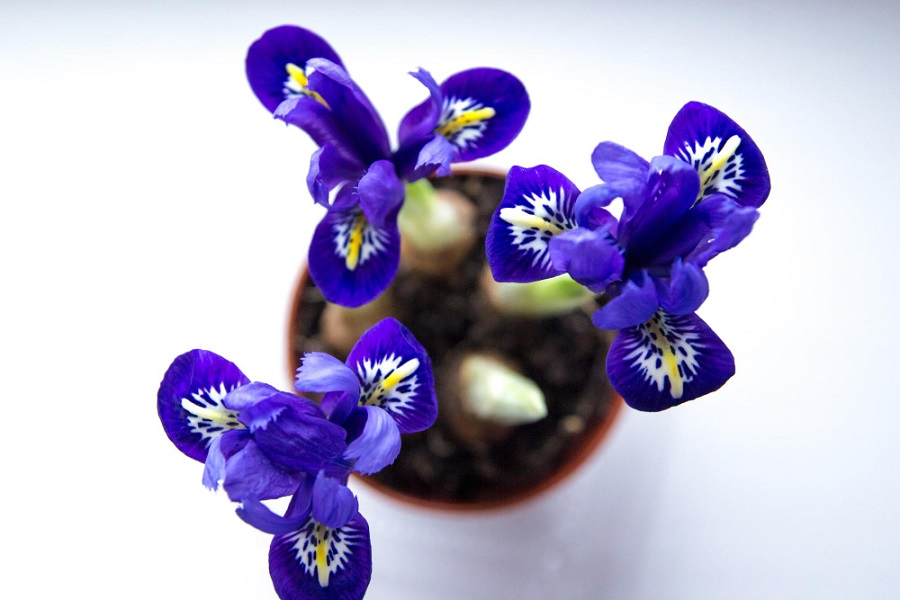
(317, 562)
(666, 361)
(538, 203)
(395, 373)
(726, 158)
(270, 77)
(482, 111)
(350, 259)
(190, 404)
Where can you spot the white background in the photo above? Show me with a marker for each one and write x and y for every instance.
(150, 205)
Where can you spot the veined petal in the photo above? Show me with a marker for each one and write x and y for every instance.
(684, 290)
(667, 197)
(375, 439)
(189, 401)
(435, 156)
(395, 372)
(666, 361)
(381, 193)
(726, 158)
(333, 504)
(635, 303)
(537, 204)
(361, 126)
(350, 259)
(482, 111)
(591, 258)
(317, 562)
(269, 56)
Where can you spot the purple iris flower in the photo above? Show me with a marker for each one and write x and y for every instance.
(262, 443)
(385, 388)
(355, 249)
(680, 210)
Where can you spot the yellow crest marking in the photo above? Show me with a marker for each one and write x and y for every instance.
(465, 119)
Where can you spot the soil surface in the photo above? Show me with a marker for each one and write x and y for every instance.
(458, 462)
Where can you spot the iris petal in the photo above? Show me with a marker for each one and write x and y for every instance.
(190, 400)
(320, 372)
(350, 259)
(668, 195)
(376, 439)
(268, 57)
(635, 303)
(666, 361)
(395, 372)
(249, 474)
(537, 204)
(328, 169)
(727, 159)
(590, 257)
(684, 290)
(381, 193)
(622, 169)
(317, 562)
(420, 123)
(333, 504)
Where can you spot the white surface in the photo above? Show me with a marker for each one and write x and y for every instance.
(150, 206)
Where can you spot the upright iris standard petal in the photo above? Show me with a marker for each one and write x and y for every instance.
(269, 57)
(396, 376)
(621, 169)
(320, 372)
(350, 259)
(189, 401)
(668, 195)
(420, 122)
(668, 360)
(362, 129)
(726, 158)
(537, 204)
(317, 562)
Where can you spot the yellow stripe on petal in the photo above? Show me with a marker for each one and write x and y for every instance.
(354, 243)
(465, 119)
(297, 82)
(520, 218)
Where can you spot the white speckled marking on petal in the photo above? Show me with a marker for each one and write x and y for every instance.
(389, 383)
(321, 551)
(718, 163)
(463, 121)
(207, 416)
(356, 240)
(666, 351)
(533, 224)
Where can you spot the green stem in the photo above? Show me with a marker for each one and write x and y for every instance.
(427, 222)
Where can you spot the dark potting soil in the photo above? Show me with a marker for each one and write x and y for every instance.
(564, 355)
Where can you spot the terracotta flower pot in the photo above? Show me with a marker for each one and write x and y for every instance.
(461, 463)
